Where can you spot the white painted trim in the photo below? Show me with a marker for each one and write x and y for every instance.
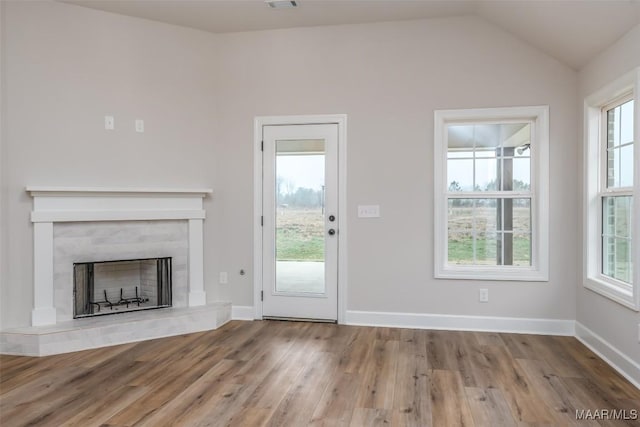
(636, 185)
(605, 287)
(242, 312)
(341, 120)
(43, 316)
(462, 323)
(479, 272)
(64, 204)
(619, 361)
(82, 216)
(43, 191)
(539, 117)
(257, 217)
(259, 122)
(44, 312)
(197, 294)
(117, 203)
(592, 277)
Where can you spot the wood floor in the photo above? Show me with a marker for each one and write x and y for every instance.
(298, 374)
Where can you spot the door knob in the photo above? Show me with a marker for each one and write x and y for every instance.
(332, 232)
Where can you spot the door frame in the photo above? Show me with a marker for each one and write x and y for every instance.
(259, 122)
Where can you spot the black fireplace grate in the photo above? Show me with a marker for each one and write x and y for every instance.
(90, 301)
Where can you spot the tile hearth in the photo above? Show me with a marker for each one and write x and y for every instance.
(102, 331)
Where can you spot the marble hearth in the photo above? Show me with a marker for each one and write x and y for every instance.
(73, 225)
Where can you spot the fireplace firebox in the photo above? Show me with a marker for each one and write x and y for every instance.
(111, 287)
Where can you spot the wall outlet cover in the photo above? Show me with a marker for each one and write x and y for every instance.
(109, 123)
(483, 295)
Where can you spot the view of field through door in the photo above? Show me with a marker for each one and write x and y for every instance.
(300, 221)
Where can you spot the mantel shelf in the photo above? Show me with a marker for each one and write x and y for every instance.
(138, 191)
(72, 204)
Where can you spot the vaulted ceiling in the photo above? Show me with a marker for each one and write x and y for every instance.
(572, 31)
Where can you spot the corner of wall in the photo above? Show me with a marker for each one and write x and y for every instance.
(606, 327)
(613, 62)
(621, 362)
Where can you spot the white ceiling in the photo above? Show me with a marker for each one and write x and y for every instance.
(572, 31)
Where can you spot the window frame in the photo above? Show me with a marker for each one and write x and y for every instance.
(538, 118)
(595, 189)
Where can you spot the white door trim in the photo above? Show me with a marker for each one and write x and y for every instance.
(259, 122)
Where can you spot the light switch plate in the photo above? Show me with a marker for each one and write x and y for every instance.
(139, 126)
(368, 211)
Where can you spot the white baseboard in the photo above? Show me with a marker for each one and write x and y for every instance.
(462, 323)
(614, 357)
(607, 352)
(242, 312)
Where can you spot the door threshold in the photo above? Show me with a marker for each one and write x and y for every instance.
(298, 319)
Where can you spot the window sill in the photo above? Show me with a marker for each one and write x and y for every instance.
(511, 274)
(609, 290)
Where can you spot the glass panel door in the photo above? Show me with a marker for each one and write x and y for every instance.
(299, 213)
(300, 222)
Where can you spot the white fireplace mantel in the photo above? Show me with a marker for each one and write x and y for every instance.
(76, 204)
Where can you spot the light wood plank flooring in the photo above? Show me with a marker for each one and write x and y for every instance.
(298, 374)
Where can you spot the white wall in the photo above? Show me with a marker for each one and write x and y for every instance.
(68, 66)
(389, 78)
(3, 166)
(614, 323)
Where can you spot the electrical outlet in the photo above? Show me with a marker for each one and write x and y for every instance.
(224, 278)
(109, 123)
(483, 295)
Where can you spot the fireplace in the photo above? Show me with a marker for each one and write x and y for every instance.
(83, 226)
(73, 225)
(111, 287)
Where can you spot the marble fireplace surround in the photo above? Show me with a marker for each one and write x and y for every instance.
(73, 224)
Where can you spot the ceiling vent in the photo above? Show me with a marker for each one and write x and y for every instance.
(281, 4)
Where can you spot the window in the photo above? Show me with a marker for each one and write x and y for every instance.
(610, 135)
(616, 194)
(491, 198)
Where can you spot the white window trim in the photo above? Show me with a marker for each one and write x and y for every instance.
(539, 269)
(620, 292)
